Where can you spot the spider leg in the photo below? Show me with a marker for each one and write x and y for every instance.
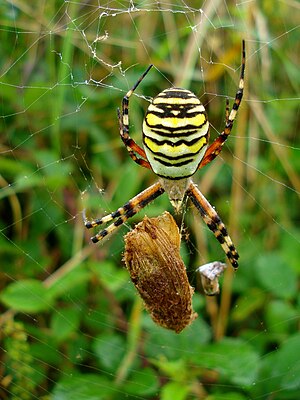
(227, 110)
(122, 214)
(214, 223)
(123, 117)
(215, 148)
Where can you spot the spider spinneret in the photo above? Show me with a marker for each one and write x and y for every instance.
(175, 139)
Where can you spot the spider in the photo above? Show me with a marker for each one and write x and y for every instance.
(175, 139)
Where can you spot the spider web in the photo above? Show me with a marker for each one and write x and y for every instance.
(69, 311)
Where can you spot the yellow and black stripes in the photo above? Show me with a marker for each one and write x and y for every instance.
(122, 214)
(175, 133)
(214, 223)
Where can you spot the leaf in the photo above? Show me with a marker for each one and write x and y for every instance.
(64, 322)
(83, 386)
(227, 396)
(112, 277)
(187, 344)
(27, 295)
(174, 390)
(280, 317)
(253, 300)
(235, 359)
(289, 362)
(70, 281)
(109, 349)
(279, 371)
(276, 276)
(142, 383)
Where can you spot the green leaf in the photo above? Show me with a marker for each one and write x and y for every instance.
(46, 353)
(142, 383)
(281, 317)
(64, 322)
(70, 281)
(280, 371)
(27, 295)
(290, 242)
(288, 364)
(227, 396)
(174, 390)
(235, 359)
(110, 275)
(83, 387)
(79, 348)
(187, 344)
(252, 301)
(176, 370)
(276, 276)
(109, 349)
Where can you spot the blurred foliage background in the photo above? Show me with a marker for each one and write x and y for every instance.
(72, 325)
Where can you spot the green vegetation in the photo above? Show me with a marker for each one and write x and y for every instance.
(72, 326)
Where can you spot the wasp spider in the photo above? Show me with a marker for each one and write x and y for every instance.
(175, 138)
